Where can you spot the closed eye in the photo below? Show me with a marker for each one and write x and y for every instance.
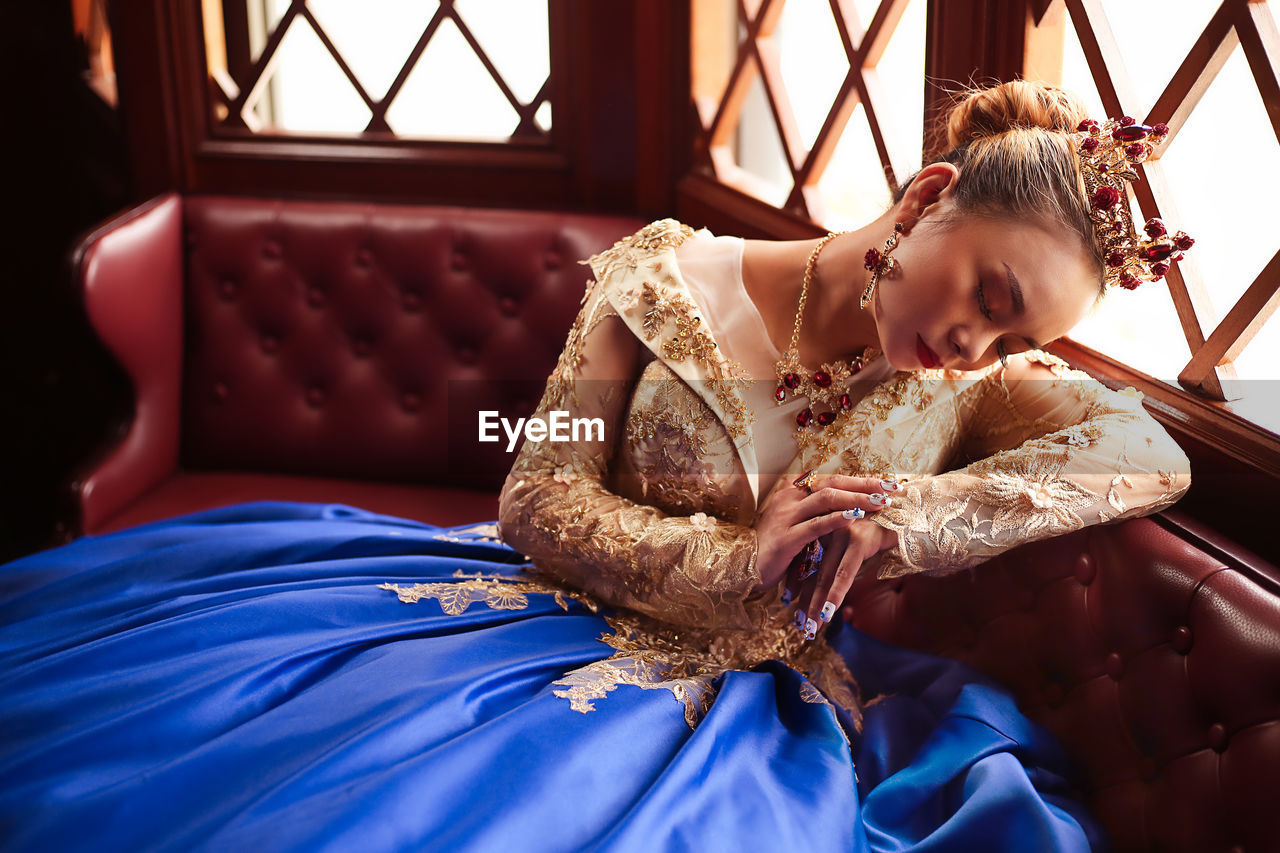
(982, 301)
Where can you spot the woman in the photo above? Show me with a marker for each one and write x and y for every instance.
(234, 678)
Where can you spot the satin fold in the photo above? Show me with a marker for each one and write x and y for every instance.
(236, 679)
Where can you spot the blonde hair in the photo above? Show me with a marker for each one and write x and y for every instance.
(1011, 145)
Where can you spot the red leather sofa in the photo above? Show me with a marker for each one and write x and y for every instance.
(306, 351)
(323, 351)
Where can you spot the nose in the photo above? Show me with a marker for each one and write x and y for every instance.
(971, 344)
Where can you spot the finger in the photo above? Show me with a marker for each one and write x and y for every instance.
(866, 485)
(831, 499)
(831, 592)
(835, 546)
(803, 532)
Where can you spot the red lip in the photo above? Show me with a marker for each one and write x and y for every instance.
(927, 357)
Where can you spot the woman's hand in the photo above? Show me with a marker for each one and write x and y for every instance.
(844, 551)
(791, 518)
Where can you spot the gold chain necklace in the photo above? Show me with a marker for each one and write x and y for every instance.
(824, 388)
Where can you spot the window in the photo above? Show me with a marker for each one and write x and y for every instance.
(1201, 68)
(474, 70)
(815, 107)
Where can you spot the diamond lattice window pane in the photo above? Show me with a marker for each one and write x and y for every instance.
(513, 34)
(866, 10)
(374, 37)
(1231, 219)
(813, 62)
(759, 150)
(902, 71)
(450, 94)
(305, 91)
(853, 187)
(1154, 41)
(263, 18)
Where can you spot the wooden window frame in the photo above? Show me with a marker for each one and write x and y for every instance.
(1006, 39)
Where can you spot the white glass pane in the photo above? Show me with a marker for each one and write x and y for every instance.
(901, 71)
(1230, 215)
(374, 36)
(307, 91)
(866, 10)
(1154, 38)
(853, 186)
(813, 61)
(450, 94)
(760, 151)
(513, 34)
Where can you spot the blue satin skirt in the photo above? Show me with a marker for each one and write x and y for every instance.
(236, 679)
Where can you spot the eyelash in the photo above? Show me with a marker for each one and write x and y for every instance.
(986, 312)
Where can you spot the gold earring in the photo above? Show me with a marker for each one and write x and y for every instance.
(880, 263)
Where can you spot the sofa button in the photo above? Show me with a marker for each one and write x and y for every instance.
(1218, 737)
(410, 401)
(315, 296)
(1086, 569)
(412, 302)
(458, 261)
(466, 355)
(360, 346)
(1114, 666)
(272, 250)
(227, 289)
(220, 391)
(1148, 769)
(1053, 694)
(508, 306)
(552, 260)
(1181, 641)
(364, 259)
(269, 343)
(1027, 599)
(315, 396)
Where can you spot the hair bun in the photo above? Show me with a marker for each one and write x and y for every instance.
(981, 112)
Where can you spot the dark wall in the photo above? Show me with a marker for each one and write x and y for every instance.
(66, 169)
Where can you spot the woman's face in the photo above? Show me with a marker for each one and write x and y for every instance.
(967, 294)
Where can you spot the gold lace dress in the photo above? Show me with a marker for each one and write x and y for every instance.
(655, 520)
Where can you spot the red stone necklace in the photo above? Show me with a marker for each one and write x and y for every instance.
(822, 387)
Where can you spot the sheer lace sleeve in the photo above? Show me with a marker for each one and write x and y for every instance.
(1058, 451)
(555, 507)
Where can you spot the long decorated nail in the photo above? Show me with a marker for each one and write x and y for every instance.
(787, 597)
(799, 620)
(856, 512)
(828, 610)
(880, 499)
(890, 485)
(810, 629)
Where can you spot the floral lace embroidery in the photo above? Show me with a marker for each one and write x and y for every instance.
(653, 656)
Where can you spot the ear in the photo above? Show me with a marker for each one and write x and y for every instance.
(932, 185)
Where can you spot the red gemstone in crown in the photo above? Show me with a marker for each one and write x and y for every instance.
(791, 380)
(780, 394)
(804, 417)
(822, 379)
(825, 418)
(1155, 228)
(1105, 198)
(846, 402)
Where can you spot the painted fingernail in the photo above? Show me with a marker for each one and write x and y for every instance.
(810, 629)
(856, 512)
(828, 610)
(880, 499)
(786, 595)
(799, 620)
(890, 485)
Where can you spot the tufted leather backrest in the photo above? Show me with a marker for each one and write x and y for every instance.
(1155, 661)
(361, 340)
